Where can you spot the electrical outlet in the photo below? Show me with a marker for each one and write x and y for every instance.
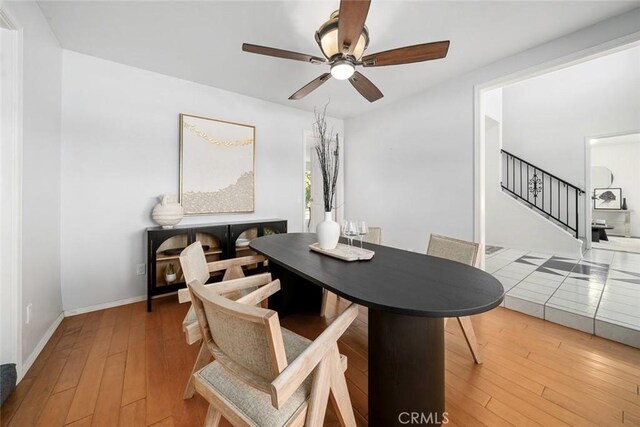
(141, 269)
(29, 307)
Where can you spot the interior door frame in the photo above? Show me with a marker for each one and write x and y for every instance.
(13, 260)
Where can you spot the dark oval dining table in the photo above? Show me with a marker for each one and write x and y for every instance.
(408, 296)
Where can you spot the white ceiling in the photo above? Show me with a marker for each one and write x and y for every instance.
(201, 41)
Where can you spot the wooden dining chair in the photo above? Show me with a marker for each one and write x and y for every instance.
(329, 299)
(374, 235)
(466, 253)
(265, 375)
(195, 267)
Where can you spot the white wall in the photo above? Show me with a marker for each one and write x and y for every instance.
(9, 187)
(120, 151)
(42, 65)
(624, 162)
(410, 164)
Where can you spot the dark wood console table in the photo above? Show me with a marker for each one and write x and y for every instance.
(220, 241)
(408, 296)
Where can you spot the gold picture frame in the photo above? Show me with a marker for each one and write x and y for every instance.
(217, 166)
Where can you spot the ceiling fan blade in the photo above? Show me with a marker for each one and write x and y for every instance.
(311, 86)
(407, 54)
(365, 87)
(280, 53)
(351, 19)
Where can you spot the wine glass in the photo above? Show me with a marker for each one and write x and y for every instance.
(350, 230)
(362, 231)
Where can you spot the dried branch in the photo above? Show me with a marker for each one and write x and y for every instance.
(328, 157)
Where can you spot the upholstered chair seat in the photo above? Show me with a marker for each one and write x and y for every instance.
(253, 404)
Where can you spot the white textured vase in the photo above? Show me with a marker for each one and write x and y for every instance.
(328, 232)
(168, 212)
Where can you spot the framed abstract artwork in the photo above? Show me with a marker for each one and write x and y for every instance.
(607, 198)
(217, 162)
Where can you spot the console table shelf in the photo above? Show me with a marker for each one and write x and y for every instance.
(221, 239)
(627, 218)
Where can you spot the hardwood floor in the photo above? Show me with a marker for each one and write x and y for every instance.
(123, 366)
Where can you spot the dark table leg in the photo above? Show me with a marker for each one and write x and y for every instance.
(595, 235)
(297, 295)
(406, 370)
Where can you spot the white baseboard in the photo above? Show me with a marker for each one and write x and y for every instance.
(36, 351)
(89, 309)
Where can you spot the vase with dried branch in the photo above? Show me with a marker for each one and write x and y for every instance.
(327, 149)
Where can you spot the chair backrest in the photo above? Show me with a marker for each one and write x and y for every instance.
(194, 263)
(245, 339)
(374, 235)
(453, 249)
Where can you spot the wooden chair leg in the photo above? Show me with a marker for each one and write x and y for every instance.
(204, 357)
(328, 299)
(319, 397)
(470, 337)
(340, 399)
(213, 417)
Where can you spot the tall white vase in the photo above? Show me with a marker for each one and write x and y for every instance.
(328, 232)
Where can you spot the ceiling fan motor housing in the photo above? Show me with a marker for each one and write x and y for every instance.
(327, 39)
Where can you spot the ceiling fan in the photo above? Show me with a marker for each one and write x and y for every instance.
(343, 40)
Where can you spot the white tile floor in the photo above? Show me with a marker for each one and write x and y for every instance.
(598, 294)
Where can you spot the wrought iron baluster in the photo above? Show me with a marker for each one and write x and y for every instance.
(559, 212)
(527, 183)
(567, 203)
(551, 196)
(542, 190)
(520, 178)
(577, 216)
(507, 171)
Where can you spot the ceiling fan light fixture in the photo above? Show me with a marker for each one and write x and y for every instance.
(327, 38)
(342, 70)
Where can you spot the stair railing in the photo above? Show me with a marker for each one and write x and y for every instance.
(541, 190)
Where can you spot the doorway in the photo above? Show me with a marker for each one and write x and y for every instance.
(614, 188)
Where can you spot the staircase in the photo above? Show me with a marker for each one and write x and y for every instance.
(552, 197)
